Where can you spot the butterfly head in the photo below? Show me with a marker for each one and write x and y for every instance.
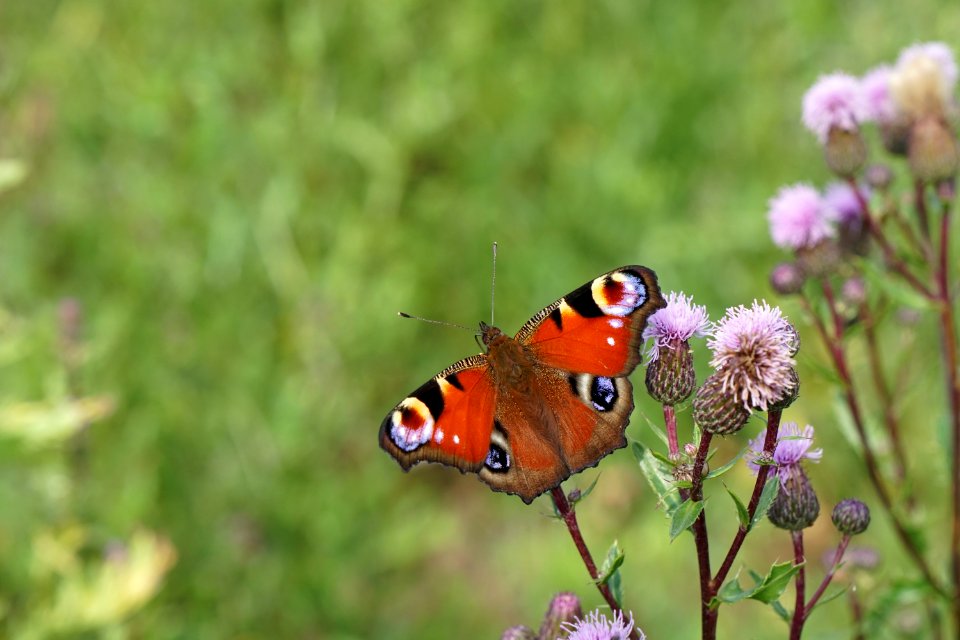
(489, 333)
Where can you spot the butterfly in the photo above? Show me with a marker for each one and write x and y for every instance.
(541, 406)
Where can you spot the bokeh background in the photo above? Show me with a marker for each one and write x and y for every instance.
(210, 213)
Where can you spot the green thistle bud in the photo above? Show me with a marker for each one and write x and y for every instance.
(716, 410)
(851, 517)
(796, 506)
(671, 377)
(845, 151)
(564, 608)
(933, 151)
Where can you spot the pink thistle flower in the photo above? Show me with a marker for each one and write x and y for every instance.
(841, 203)
(937, 52)
(679, 321)
(798, 217)
(878, 103)
(596, 626)
(834, 100)
(793, 447)
(753, 353)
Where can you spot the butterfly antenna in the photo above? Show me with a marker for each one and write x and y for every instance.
(440, 322)
(493, 284)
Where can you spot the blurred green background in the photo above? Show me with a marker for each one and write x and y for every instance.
(211, 213)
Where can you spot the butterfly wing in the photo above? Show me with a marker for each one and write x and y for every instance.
(585, 345)
(448, 419)
(596, 328)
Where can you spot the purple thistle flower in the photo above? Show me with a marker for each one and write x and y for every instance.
(753, 353)
(798, 218)
(878, 103)
(834, 100)
(596, 626)
(679, 321)
(841, 203)
(793, 447)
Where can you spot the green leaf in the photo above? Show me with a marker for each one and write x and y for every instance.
(767, 496)
(684, 517)
(780, 611)
(766, 589)
(662, 458)
(742, 513)
(833, 596)
(610, 571)
(658, 477)
(587, 491)
(775, 582)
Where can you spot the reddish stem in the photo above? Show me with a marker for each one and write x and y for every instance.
(769, 445)
(670, 420)
(837, 557)
(569, 515)
(708, 616)
(834, 345)
(888, 253)
(799, 613)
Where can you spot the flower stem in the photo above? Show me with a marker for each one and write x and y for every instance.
(799, 612)
(837, 557)
(769, 445)
(834, 345)
(670, 420)
(569, 515)
(708, 616)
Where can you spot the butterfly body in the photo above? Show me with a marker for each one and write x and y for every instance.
(538, 407)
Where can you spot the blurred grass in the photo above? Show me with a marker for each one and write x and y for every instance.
(242, 194)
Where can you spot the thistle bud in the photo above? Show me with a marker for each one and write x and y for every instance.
(790, 393)
(796, 506)
(671, 377)
(787, 278)
(564, 608)
(895, 135)
(519, 633)
(933, 154)
(717, 411)
(879, 176)
(820, 259)
(851, 517)
(845, 151)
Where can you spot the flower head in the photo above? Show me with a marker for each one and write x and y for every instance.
(793, 447)
(878, 103)
(753, 353)
(596, 626)
(679, 321)
(835, 101)
(851, 517)
(798, 217)
(842, 204)
(924, 78)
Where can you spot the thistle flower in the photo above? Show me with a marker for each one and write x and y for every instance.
(798, 217)
(596, 626)
(878, 104)
(787, 278)
(670, 374)
(792, 448)
(923, 81)
(835, 101)
(679, 321)
(753, 353)
(841, 203)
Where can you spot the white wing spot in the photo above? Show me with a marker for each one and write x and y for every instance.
(438, 436)
(456, 439)
(611, 341)
(616, 323)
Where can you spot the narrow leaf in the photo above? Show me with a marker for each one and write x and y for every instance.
(611, 564)
(742, 513)
(775, 582)
(719, 471)
(684, 517)
(766, 499)
(780, 611)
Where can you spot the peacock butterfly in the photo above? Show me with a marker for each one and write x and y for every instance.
(539, 407)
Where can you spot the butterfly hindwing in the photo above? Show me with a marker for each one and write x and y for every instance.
(448, 419)
(597, 328)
